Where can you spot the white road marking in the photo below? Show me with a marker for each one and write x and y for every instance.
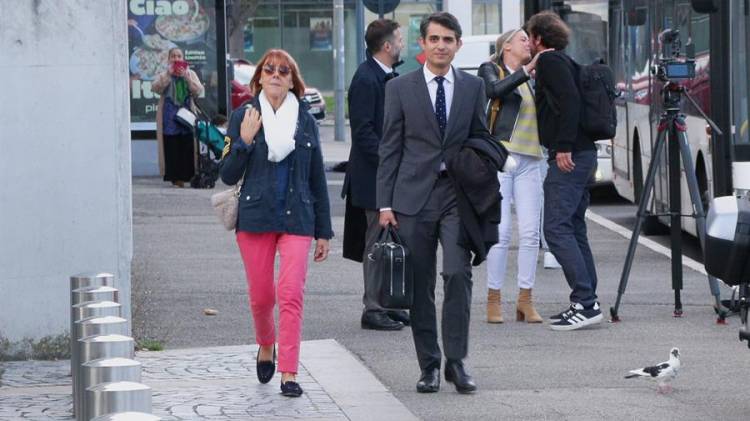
(646, 242)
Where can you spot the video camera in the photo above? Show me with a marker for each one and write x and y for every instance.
(671, 66)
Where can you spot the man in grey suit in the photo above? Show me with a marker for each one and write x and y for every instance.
(429, 113)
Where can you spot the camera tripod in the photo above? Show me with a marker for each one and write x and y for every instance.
(672, 128)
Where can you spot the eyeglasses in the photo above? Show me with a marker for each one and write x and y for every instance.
(270, 69)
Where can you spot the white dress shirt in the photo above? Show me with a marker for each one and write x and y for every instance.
(385, 68)
(432, 87)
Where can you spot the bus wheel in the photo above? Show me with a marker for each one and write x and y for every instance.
(700, 174)
(637, 173)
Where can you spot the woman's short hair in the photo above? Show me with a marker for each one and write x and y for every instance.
(554, 32)
(443, 19)
(378, 32)
(279, 57)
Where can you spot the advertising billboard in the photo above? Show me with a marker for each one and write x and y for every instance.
(155, 27)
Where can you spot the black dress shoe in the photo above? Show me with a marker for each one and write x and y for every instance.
(265, 369)
(377, 320)
(399, 316)
(429, 381)
(455, 373)
(291, 389)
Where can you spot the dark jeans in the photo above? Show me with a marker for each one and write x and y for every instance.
(566, 198)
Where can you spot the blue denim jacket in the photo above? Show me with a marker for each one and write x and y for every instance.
(307, 210)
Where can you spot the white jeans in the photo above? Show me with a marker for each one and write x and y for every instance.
(543, 168)
(522, 187)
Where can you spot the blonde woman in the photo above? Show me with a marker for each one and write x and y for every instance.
(512, 121)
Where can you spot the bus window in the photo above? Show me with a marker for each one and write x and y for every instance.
(588, 42)
(739, 35)
(616, 46)
(637, 64)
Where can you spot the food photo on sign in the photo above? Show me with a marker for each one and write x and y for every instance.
(155, 27)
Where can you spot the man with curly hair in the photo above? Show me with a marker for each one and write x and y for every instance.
(572, 159)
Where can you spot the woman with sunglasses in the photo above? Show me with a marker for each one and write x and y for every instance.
(275, 153)
(512, 120)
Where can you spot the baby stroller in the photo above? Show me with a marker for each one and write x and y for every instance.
(210, 146)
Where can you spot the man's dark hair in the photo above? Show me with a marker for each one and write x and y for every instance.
(378, 32)
(554, 32)
(443, 19)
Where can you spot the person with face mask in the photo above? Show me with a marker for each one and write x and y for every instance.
(512, 120)
(177, 86)
(366, 99)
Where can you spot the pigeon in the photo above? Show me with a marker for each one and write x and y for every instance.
(661, 373)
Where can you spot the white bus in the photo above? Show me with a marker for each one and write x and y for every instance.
(626, 33)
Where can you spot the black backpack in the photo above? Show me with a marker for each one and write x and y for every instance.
(596, 86)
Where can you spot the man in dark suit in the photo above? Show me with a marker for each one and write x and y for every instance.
(429, 113)
(366, 96)
(572, 162)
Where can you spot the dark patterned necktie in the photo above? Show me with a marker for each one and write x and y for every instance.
(440, 111)
(389, 76)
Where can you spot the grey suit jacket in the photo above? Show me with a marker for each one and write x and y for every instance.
(411, 148)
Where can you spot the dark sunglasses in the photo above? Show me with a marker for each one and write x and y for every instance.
(270, 69)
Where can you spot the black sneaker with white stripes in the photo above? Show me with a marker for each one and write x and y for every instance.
(568, 311)
(577, 318)
(559, 316)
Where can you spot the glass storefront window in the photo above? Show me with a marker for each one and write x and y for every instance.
(304, 28)
(486, 17)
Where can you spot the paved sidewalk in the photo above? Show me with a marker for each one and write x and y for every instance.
(217, 384)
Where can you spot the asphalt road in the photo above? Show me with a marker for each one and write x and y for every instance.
(606, 202)
(185, 262)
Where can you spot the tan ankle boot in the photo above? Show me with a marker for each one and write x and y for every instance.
(494, 306)
(525, 309)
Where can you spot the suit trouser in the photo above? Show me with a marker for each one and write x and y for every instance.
(370, 297)
(438, 222)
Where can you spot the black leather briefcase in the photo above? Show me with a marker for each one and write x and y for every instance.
(393, 270)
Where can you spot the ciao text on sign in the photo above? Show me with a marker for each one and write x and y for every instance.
(159, 7)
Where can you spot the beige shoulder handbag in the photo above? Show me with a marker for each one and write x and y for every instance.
(226, 204)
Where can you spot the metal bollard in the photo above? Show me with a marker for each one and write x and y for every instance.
(96, 347)
(91, 280)
(107, 370)
(92, 326)
(84, 280)
(127, 416)
(100, 293)
(87, 280)
(114, 397)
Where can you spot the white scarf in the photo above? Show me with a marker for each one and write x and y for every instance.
(279, 126)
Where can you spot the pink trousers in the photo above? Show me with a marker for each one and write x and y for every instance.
(258, 253)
